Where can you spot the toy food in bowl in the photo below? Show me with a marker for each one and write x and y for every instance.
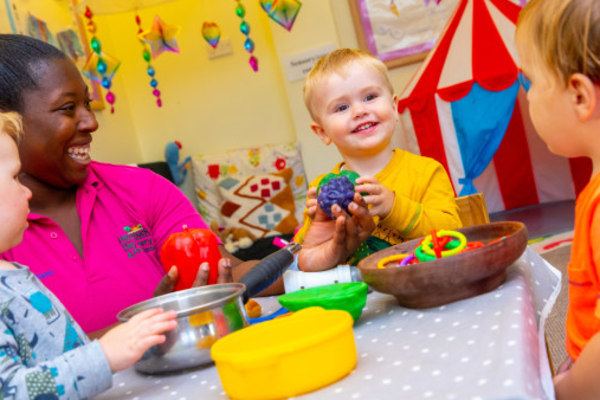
(287, 356)
(444, 280)
(349, 296)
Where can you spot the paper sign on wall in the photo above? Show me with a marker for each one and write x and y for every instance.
(299, 65)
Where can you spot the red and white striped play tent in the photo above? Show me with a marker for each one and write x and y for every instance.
(465, 108)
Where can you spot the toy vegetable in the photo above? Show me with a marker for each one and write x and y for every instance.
(336, 189)
(187, 250)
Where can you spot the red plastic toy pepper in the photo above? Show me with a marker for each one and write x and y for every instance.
(187, 250)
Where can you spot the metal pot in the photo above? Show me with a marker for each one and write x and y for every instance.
(206, 314)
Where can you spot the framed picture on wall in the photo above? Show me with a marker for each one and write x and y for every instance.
(56, 23)
(400, 32)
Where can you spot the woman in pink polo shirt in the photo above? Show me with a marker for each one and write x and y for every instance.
(95, 229)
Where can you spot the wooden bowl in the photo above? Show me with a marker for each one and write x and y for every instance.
(457, 277)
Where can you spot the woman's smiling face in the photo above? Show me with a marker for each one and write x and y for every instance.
(58, 124)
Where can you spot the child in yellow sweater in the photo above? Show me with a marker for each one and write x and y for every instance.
(350, 98)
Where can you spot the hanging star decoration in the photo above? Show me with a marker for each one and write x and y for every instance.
(149, 68)
(161, 37)
(240, 11)
(100, 67)
(211, 33)
(284, 12)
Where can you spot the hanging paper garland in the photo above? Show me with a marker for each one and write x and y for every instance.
(211, 33)
(283, 12)
(100, 67)
(149, 68)
(240, 11)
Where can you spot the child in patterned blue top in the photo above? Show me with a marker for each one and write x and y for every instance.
(43, 352)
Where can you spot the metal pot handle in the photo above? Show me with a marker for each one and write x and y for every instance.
(268, 270)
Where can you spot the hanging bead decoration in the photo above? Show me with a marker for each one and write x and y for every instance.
(240, 11)
(147, 57)
(100, 67)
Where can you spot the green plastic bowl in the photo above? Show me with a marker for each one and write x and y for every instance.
(351, 297)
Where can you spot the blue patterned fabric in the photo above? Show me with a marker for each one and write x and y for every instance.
(44, 354)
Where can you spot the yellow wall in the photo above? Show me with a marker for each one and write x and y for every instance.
(219, 104)
(322, 23)
(208, 105)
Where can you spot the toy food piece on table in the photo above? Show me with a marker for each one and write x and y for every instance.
(253, 309)
(187, 250)
(288, 356)
(336, 189)
(349, 296)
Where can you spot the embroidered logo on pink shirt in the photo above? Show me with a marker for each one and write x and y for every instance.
(136, 240)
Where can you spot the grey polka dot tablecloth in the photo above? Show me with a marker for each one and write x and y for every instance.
(486, 347)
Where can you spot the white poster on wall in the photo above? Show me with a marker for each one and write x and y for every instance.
(299, 65)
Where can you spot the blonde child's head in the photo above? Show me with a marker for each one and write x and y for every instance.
(351, 101)
(561, 37)
(559, 48)
(336, 62)
(14, 206)
(11, 124)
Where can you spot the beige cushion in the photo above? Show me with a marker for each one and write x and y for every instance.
(209, 169)
(263, 204)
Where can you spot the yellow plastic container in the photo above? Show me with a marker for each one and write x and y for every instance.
(286, 356)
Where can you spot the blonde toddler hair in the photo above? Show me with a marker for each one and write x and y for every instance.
(11, 124)
(335, 63)
(562, 36)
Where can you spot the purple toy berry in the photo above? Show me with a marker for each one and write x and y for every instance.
(339, 190)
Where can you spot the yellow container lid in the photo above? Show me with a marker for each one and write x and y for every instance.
(286, 356)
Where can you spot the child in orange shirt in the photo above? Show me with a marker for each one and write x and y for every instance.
(559, 45)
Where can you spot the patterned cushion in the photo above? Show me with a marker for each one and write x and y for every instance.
(263, 204)
(208, 169)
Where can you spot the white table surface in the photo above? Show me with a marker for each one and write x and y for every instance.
(487, 347)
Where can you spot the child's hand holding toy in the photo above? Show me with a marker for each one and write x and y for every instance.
(332, 241)
(311, 202)
(377, 196)
(340, 188)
